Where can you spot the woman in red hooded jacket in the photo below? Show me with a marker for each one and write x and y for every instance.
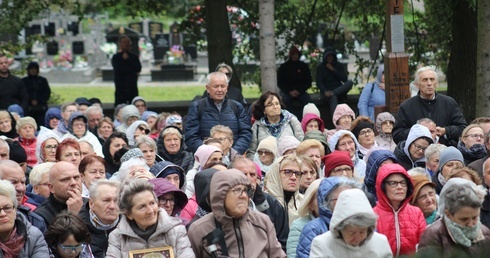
(400, 222)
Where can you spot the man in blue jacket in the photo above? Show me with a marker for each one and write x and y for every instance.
(217, 109)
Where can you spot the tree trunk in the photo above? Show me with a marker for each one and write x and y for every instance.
(483, 60)
(218, 35)
(268, 75)
(461, 77)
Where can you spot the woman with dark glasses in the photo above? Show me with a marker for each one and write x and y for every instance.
(135, 130)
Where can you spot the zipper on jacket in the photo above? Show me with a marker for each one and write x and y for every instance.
(397, 230)
(238, 234)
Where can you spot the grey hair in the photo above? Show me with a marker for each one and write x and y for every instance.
(463, 195)
(216, 74)
(425, 120)
(93, 110)
(127, 192)
(418, 171)
(127, 165)
(4, 143)
(37, 173)
(433, 149)
(423, 69)
(344, 183)
(7, 189)
(89, 144)
(143, 139)
(361, 220)
(94, 188)
(224, 65)
(222, 129)
(67, 104)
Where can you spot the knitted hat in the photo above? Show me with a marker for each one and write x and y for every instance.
(362, 125)
(132, 154)
(204, 152)
(419, 181)
(335, 159)
(449, 154)
(17, 152)
(173, 119)
(286, 143)
(269, 143)
(26, 121)
(148, 114)
(311, 108)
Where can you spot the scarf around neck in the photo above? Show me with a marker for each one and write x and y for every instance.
(477, 151)
(462, 235)
(61, 127)
(13, 246)
(276, 129)
(98, 224)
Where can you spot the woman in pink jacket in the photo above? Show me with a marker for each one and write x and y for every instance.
(400, 222)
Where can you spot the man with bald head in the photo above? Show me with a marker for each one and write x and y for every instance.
(11, 171)
(264, 202)
(65, 185)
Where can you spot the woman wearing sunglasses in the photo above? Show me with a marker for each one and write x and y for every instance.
(136, 129)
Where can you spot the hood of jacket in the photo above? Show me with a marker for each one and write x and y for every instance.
(132, 128)
(164, 168)
(162, 186)
(373, 163)
(340, 111)
(335, 139)
(379, 74)
(221, 182)
(308, 117)
(349, 203)
(202, 185)
(76, 115)
(43, 135)
(417, 131)
(129, 111)
(273, 182)
(385, 116)
(327, 185)
(330, 51)
(384, 172)
(52, 112)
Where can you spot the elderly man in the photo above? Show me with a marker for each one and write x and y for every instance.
(94, 114)
(65, 185)
(441, 109)
(264, 202)
(11, 171)
(101, 215)
(12, 88)
(477, 165)
(217, 109)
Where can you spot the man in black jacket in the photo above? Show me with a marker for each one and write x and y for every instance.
(264, 202)
(126, 66)
(39, 93)
(441, 109)
(12, 88)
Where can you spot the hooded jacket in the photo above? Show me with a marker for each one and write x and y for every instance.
(169, 232)
(182, 158)
(359, 164)
(127, 112)
(321, 224)
(132, 129)
(251, 235)
(164, 168)
(402, 150)
(163, 186)
(37, 86)
(373, 163)
(331, 245)
(372, 95)
(403, 227)
(340, 111)
(327, 80)
(88, 136)
(43, 135)
(308, 117)
(384, 140)
(200, 198)
(52, 112)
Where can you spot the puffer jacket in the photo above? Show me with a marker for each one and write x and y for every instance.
(308, 117)
(88, 136)
(260, 131)
(197, 128)
(403, 227)
(321, 224)
(251, 235)
(372, 95)
(327, 80)
(29, 146)
(34, 245)
(183, 158)
(359, 164)
(403, 155)
(340, 111)
(373, 163)
(331, 245)
(273, 186)
(169, 232)
(384, 140)
(294, 234)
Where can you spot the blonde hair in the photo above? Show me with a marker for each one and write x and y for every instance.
(171, 130)
(309, 196)
(308, 144)
(4, 114)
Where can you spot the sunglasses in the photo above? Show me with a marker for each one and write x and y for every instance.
(141, 128)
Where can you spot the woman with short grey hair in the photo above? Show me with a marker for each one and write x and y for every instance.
(18, 238)
(352, 230)
(149, 148)
(459, 233)
(432, 155)
(144, 225)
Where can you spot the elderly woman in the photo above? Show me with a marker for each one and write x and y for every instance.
(266, 154)
(171, 172)
(384, 126)
(170, 198)
(363, 130)
(352, 231)
(171, 148)
(26, 128)
(204, 155)
(149, 148)
(67, 237)
(52, 117)
(282, 182)
(136, 129)
(159, 125)
(309, 171)
(224, 134)
(342, 119)
(400, 222)
(92, 169)
(411, 153)
(38, 179)
(313, 149)
(46, 145)
(432, 155)
(101, 214)
(449, 159)
(311, 122)
(115, 142)
(7, 125)
(459, 233)
(425, 197)
(230, 191)
(69, 150)
(145, 225)
(471, 143)
(373, 95)
(18, 238)
(129, 114)
(338, 163)
(105, 129)
(272, 119)
(307, 211)
(327, 196)
(346, 141)
(78, 130)
(134, 168)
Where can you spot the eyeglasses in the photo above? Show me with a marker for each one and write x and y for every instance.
(418, 147)
(71, 249)
(240, 190)
(339, 171)
(264, 152)
(7, 209)
(141, 128)
(393, 184)
(45, 184)
(78, 124)
(222, 139)
(163, 201)
(366, 131)
(481, 136)
(311, 172)
(290, 172)
(51, 147)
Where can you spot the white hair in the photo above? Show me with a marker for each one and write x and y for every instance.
(38, 171)
(127, 165)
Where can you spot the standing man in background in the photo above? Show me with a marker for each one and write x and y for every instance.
(126, 66)
(13, 90)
